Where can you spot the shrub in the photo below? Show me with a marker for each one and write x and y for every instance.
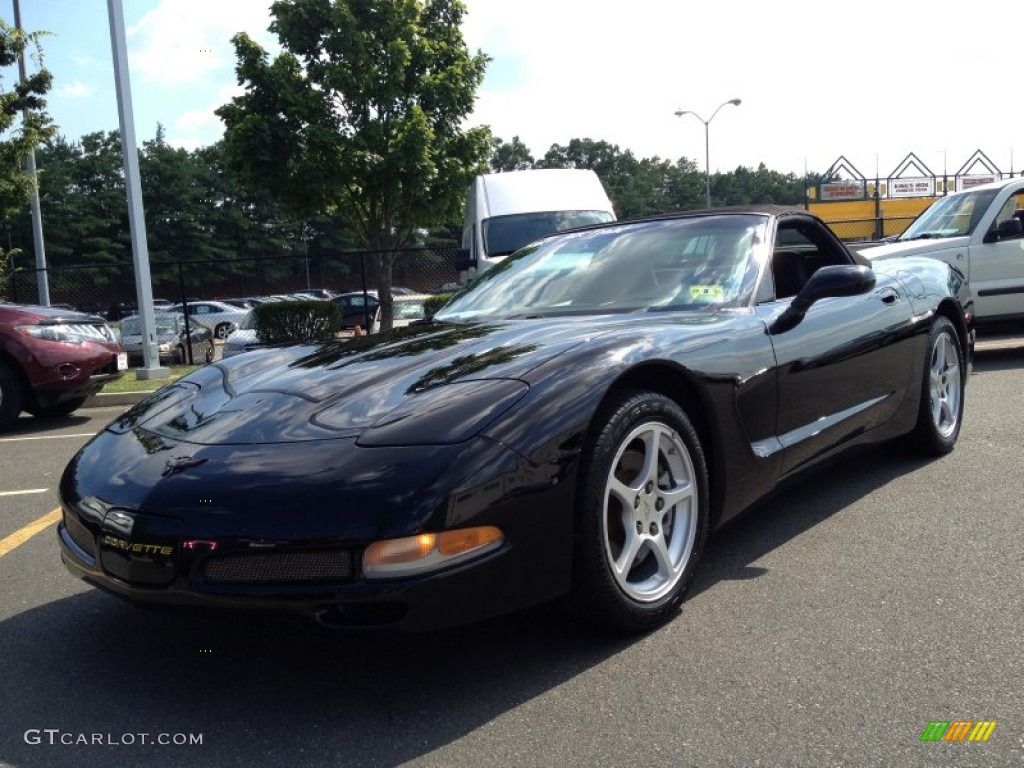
(303, 320)
(434, 304)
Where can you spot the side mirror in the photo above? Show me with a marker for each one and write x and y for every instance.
(1006, 230)
(463, 260)
(826, 283)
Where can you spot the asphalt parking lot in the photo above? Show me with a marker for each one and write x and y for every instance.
(828, 627)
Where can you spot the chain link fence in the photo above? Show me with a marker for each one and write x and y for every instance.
(861, 230)
(109, 289)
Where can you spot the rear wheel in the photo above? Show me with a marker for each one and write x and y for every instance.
(222, 330)
(642, 513)
(942, 391)
(60, 409)
(11, 395)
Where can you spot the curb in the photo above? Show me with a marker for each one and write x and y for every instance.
(104, 399)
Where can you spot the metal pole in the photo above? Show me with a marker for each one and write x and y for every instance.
(42, 278)
(707, 160)
(133, 189)
(184, 307)
(707, 141)
(366, 297)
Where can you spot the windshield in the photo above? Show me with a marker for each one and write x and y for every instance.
(507, 234)
(408, 310)
(687, 263)
(130, 325)
(951, 216)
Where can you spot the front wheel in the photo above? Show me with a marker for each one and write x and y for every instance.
(642, 513)
(222, 331)
(942, 391)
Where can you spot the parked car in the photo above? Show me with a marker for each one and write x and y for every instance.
(574, 423)
(242, 339)
(406, 309)
(240, 303)
(119, 309)
(51, 360)
(980, 231)
(171, 339)
(219, 317)
(315, 293)
(357, 308)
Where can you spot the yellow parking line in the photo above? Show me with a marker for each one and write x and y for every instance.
(19, 537)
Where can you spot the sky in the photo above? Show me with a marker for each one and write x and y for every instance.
(870, 81)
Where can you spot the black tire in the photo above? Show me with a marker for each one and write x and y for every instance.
(222, 330)
(619, 579)
(942, 391)
(60, 409)
(11, 395)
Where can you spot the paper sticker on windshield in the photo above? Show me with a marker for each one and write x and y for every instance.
(707, 293)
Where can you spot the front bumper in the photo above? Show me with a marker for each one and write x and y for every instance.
(69, 371)
(473, 591)
(305, 558)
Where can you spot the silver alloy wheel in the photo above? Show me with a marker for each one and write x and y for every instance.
(650, 512)
(945, 387)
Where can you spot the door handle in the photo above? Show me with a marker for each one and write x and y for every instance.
(889, 296)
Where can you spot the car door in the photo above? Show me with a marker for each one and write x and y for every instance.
(997, 266)
(846, 366)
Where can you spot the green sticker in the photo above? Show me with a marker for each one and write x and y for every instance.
(707, 292)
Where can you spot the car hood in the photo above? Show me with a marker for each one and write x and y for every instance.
(429, 374)
(35, 313)
(928, 247)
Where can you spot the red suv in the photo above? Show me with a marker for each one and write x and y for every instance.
(52, 359)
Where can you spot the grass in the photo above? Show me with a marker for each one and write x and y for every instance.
(128, 382)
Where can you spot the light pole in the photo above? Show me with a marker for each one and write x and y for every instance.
(707, 143)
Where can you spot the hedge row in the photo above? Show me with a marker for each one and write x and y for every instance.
(303, 320)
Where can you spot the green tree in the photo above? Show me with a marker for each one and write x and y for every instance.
(361, 117)
(18, 139)
(511, 156)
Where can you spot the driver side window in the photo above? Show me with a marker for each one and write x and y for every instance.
(1012, 208)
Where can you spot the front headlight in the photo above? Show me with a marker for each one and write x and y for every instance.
(164, 347)
(74, 333)
(414, 555)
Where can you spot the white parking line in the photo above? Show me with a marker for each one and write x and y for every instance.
(44, 437)
(22, 493)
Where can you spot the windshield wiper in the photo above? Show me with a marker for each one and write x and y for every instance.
(925, 236)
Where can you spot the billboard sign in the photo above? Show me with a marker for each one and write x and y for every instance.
(924, 187)
(966, 182)
(842, 190)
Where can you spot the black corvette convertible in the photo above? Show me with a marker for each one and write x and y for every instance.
(574, 422)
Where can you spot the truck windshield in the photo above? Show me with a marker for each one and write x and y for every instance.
(506, 234)
(952, 216)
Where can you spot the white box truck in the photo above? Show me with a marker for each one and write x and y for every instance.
(506, 211)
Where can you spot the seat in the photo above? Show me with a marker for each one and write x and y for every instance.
(791, 273)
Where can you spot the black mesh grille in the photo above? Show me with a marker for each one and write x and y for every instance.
(280, 568)
(79, 533)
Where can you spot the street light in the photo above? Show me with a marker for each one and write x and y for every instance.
(707, 151)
